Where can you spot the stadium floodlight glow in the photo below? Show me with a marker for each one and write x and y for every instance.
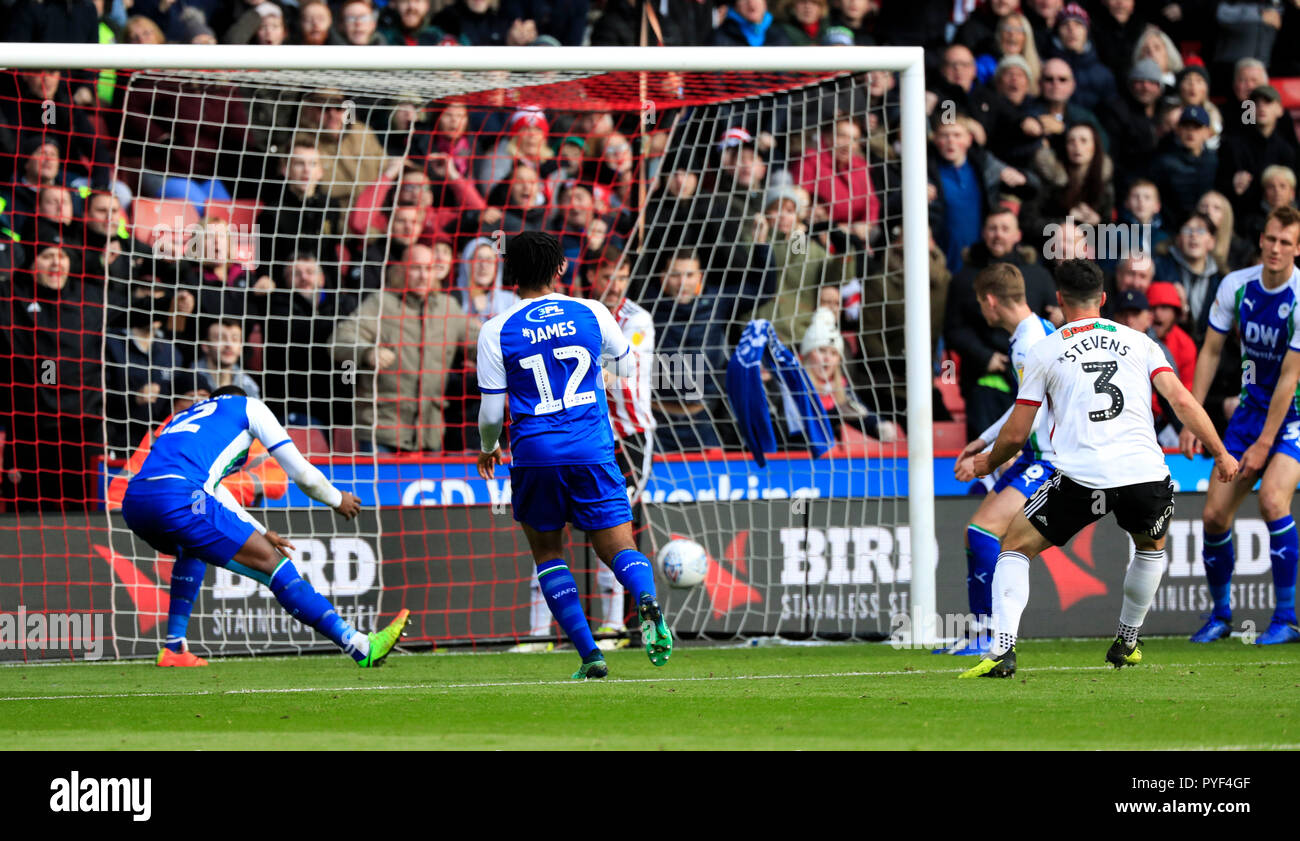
(438, 72)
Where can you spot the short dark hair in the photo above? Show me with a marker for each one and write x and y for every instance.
(686, 253)
(1079, 281)
(1286, 216)
(229, 389)
(533, 259)
(1212, 228)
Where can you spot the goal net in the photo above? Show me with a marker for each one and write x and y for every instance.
(331, 241)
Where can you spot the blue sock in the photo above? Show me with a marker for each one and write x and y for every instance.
(1284, 551)
(1219, 557)
(309, 607)
(633, 571)
(187, 578)
(982, 550)
(561, 593)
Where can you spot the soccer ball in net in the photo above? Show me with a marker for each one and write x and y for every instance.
(683, 563)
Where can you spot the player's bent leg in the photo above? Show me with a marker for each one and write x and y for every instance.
(616, 548)
(187, 579)
(1010, 595)
(260, 560)
(1284, 547)
(1221, 503)
(983, 545)
(561, 593)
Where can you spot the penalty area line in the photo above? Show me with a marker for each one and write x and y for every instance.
(411, 687)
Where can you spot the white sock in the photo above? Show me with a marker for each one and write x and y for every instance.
(354, 640)
(1010, 595)
(1140, 584)
(611, 596)
(539, 616)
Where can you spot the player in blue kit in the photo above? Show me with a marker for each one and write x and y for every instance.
(1262, 302)
(544, 355)
(1000, 291)
(177, 504)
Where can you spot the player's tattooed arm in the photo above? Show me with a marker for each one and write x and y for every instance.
(1196, 422)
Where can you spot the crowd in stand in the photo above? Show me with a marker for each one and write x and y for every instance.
(356, 303)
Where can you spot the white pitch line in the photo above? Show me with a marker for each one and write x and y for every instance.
(1207, 748)
(521, 683)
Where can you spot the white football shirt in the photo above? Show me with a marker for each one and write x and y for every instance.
(1028, 333)
(629, 401)
(1095, 376)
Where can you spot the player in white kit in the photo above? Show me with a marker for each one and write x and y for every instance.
(1097, 377)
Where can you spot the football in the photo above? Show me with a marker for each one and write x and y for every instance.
(683, 563)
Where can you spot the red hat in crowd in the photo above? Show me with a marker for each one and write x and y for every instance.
(735, 136)
(1074, 12)
(530, 116)
(1164, 295)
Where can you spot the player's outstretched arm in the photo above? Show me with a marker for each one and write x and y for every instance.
(265, 428)
(964, 468)
(1012, 437)
(1196, 422)
(1207, 363)
(1253, 460)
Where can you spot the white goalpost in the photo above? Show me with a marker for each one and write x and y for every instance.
(464, 579)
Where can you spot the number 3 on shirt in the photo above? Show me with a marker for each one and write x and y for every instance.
(1103, 385)
(549, 405)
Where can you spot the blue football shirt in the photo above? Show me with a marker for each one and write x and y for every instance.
(210, 440)
(1267, 319)
(546, 354)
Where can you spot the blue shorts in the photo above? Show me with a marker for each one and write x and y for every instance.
(1026, 475)
(176, 517)
(591, 496)
(1247, 422)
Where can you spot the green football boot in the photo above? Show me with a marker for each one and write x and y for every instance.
(993, 665)
(382, 642)
(1120, 654)
(592, 669)
(654, 631)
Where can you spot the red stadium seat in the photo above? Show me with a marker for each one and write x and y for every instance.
(309, 439)
(1289, 88)
(344, 440)
(150, 217)
(240, 213)
(949, 437)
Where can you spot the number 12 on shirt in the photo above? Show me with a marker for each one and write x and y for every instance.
(572, 397)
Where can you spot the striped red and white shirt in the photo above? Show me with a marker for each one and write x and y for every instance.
(629, 397)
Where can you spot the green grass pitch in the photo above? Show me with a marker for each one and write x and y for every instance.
(850, 696)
